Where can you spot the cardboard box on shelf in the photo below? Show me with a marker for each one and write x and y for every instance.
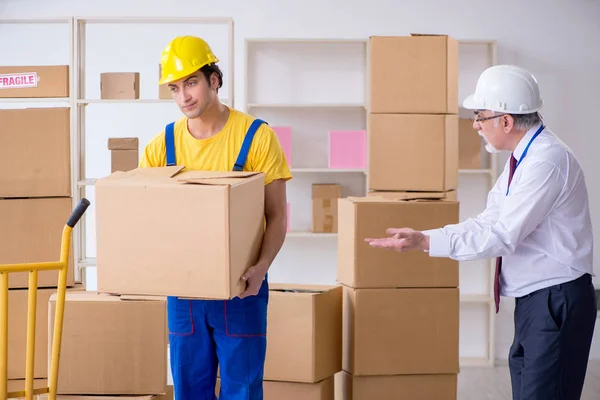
(310, 317)
(425, 145)
(284, 134)
(413, 387)
(470, 145)
(120, 85)
(400, 331)
(111, 346)
(199, 249)
(274, 390)
(17, 332)
(124, 153)
(23, 81)
(416, 74)
(164, 92)
(31, 231)
(363, 266)
(348, 149)
(35, 158)
(325, 208)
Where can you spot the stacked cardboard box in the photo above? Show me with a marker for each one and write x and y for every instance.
(401, 310)
(124, 153)
(324, 207)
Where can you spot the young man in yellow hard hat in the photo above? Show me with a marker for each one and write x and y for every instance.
(212, 136)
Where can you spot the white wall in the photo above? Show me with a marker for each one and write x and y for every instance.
(565, 60)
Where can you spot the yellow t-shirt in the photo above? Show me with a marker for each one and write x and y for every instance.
(219, 152)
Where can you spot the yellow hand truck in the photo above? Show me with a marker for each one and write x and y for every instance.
(33, 269)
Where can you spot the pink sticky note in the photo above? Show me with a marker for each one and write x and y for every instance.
(347, 149)
(284, 133)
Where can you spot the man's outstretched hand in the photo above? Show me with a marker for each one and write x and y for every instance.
(401, 239)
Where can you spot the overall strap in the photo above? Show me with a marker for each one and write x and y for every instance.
(241, 159)
(170, 144)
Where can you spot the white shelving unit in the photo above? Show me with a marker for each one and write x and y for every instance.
(140, 43)
(314, 84)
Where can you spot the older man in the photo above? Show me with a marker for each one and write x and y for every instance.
(537, 224)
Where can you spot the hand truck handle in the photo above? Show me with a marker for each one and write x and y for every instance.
(78, 212)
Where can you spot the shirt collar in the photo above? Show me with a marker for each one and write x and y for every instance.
(525, 141)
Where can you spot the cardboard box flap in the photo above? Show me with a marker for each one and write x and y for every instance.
(123, 143)
(409, 195)
(404, 197)
(216, 178)
(428, 34)
(141, 175)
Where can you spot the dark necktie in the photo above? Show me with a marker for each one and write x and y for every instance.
(513, 166)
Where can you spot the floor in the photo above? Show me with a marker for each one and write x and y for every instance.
(494, 383)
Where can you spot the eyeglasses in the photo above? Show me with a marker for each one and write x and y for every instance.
(480, 120)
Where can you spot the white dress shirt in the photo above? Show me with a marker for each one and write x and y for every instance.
(542, 229)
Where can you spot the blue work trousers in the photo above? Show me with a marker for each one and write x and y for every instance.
(230, 334)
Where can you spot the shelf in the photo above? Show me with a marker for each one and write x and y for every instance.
(306, 105)
(87, 182)
(87, 262)
(152, 20)
(474, 298)
(35, 100)
(132, 101)
(327, 170)
(306, 40)
(475, 171)
(475, 362)
(310, 234)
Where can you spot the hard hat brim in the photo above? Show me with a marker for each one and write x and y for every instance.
(470, 104)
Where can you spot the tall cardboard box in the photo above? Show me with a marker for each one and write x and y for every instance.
(413, 152)
(124, 153)
(120, 85)
(410, 331)
(324, 207)
(23, 81)
(35, 150)
(164, 232)
(416, 74)
(362, 266)
(111, 346)
(391, 387)
(31, 231)
(310, 317)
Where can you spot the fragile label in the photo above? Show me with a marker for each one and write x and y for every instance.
(19, 81)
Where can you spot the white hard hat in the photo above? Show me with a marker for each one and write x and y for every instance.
(506, 88)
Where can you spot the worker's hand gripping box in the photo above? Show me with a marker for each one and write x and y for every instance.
(168, 232)
(310, 317)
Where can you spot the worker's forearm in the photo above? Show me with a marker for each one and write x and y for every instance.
(272, 241)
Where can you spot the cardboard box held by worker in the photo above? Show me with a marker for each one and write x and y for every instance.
(310, 316)
(167, 232)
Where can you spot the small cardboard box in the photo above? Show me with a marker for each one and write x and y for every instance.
(124, 153)
(470, 145)
(363, 266)
(31, 231)
(413, 387)
(164, 232)
(163, 90)
(416, 74)
(413, 152)
(120, 85)
(400, 331)
(34, 81)
(35, 152)
(111, 346)
(310, 317)
(325, 207)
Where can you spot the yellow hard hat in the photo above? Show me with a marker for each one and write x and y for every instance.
(183, 56)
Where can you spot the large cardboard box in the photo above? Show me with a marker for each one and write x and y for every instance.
(35, 152)
(470, 145)
(34, 81)
(124, 153)
(393, 387)
(274, 390)
(111, 346)
(120, 85)
(310, 317)
(17, 332)
(413, 152)
(324, 207)
(415, 74)
(164, 232)
(449, 195)
(363, 266)
(31, 231)
(400, 331)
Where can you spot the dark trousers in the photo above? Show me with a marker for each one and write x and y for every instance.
(553, 334)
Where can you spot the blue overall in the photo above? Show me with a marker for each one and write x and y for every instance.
(230, 334)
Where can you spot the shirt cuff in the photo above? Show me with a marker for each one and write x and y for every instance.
(439, 243)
